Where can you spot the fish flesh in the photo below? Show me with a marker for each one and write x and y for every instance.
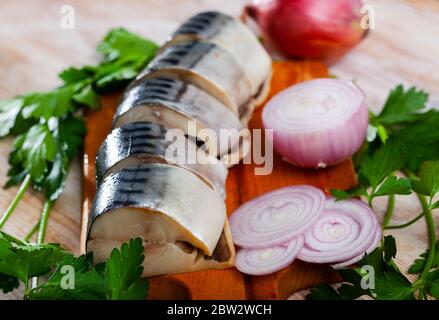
(171, 258)
(180, 219)
(235, 37)
(174, 104)
(208, 77)
(209, 67)
(146, 142)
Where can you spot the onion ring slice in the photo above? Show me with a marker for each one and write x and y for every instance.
(276, 217)
(260, 262)
(322, 248)
(354, 260)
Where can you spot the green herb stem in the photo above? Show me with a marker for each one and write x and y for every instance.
(370, 197)
(432, 246)
(26, 287)
(409, 223)
(431, 228)
(24, 186)
(43, 221)
(42, 231)
(30, 234)
(389, 211)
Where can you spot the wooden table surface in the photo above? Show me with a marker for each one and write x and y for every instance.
(403, 48)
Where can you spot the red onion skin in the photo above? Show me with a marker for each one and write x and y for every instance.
(321, 147)
(316, 29)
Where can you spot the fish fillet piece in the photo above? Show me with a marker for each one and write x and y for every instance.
(187, 208)
(233, 36)
(180, 219)
(209, 67)
(161, 258)
(174, 104)
(146, 142)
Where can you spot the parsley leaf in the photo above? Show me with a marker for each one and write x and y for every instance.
(126, 54)
(123, 270)
(72, 74)
(9, 110)
(69, 135)
(88, 97)
(117, 73)
(402, 105)
(119, 278)
(46, 105)
(419, 264)
(421, 139)
(24, 261)
(386, 160)
(33, 150)
(350, 289)
(434, 290)
(394, 185)
(390, 283)
(428, 183)
(349, 193)
(121, 43)
(375, 171)
(45, 153)
(381, 258)
(393, 286)
(389, 249)
(323, 292)
(406, 118)
(8, 283)
(84, 283)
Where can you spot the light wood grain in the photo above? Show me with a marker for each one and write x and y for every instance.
(404, 47)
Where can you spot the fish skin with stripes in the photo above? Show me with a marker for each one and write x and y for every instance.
(143, 142)
(174, 104)
(211, 72)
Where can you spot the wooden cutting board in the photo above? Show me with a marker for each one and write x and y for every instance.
(395, 52)
(242, 185)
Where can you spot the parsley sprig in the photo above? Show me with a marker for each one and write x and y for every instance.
(389, 282)
(403, 138)
(49, 132)
(48, 128)
(69, 277)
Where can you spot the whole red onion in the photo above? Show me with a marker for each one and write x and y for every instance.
(316, 29)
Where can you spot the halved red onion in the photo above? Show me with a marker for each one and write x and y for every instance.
(317, 123)
(276, 217)
(345, 231)
(375, 243)
(259, 262)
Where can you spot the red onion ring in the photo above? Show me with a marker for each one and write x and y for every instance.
(356, 230)
(259, 262)
(335, 236)
(317, 123)
(276, 217)
(375, 243)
